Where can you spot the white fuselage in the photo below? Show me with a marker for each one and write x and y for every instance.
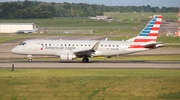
(56, 47)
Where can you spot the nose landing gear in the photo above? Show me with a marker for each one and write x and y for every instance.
(30, 58)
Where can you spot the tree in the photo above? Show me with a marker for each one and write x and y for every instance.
(36, 9)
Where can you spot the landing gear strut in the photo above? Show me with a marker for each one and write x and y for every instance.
(85, 60)
(30, 58)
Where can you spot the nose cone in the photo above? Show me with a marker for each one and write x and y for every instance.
(14, 50)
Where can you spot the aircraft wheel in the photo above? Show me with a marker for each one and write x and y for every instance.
(30, 60)
(85, 60)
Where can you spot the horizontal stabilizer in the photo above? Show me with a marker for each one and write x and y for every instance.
(154, 45)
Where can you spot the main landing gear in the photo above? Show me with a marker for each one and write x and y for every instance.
(30, 58)
(85, 60)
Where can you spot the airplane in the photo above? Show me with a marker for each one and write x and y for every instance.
(69, 50)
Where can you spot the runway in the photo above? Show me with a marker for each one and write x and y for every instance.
(93, 64)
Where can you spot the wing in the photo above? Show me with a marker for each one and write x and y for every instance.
(88, 52)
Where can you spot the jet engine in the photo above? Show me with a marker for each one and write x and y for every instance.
(67, 56)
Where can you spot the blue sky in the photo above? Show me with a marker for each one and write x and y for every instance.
(153, 3)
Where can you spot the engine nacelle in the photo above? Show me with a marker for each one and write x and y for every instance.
(67, 56)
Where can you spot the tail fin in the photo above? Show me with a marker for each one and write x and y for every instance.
(148, 34)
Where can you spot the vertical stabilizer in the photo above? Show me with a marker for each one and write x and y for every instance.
(148, 34)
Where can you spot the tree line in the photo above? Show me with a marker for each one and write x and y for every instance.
(36, 9)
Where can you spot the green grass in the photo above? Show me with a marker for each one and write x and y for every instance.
(114, 36)
(89, 84)
(169, 39)
(117, 30)
(76, 23)
(172, 45)
(130, 15)
(134, 58)
(120, 58)
(5, 38)
(69, 22)
(79, 22)
(147, 58)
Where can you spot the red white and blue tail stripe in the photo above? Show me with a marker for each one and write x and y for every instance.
(148, 35)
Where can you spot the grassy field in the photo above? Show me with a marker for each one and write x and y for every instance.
(120, 20)
(130, 15)
(143, 58)
(169, 41)
(89, 84)
(122, 23)
(121, 28)
(120, 58)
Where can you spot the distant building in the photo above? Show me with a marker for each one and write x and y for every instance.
(18, 27)
(104, 18)
(99, 18)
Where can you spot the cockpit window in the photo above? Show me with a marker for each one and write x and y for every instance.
(22, 44)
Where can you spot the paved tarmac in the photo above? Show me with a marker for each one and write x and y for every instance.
(92, 64)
